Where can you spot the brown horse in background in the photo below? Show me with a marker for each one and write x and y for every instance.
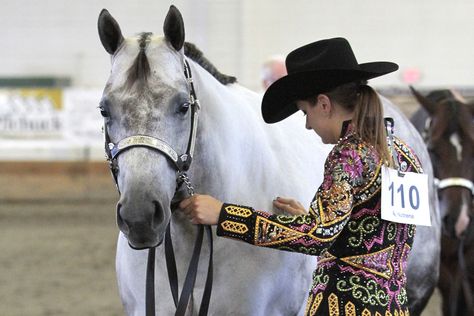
(445, 120)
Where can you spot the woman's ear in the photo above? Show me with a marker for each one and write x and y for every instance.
(326, 104)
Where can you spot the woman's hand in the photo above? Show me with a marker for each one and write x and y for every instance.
(289, 205)
(202, 209)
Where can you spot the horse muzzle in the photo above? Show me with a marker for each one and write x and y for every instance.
(143, 225)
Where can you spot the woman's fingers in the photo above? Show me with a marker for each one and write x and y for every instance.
(185, 203)
(289, 205)
(201, 209)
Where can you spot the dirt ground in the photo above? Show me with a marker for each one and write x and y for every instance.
(58, 235)
(58, 259)
(57, 240)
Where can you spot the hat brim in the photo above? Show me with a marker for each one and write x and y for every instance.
(279, 99)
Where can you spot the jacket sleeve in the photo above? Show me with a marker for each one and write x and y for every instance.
(310, 233)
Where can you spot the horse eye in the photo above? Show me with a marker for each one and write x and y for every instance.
(103, 112)
(184, 107)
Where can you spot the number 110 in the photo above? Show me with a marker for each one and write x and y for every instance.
(413, 196)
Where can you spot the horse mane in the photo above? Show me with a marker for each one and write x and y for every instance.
(140, 69)
(191, 51)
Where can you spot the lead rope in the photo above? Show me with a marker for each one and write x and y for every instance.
(181, 303)
(182, 164)
(150, 283)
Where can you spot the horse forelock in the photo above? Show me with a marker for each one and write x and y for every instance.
(140, 70)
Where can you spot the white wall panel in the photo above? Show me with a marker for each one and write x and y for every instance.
(59, 38)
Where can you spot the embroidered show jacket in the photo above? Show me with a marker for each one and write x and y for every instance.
(362, 258)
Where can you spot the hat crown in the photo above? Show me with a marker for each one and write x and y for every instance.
(316, 68)
(333, 53)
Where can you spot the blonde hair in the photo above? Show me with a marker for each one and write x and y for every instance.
(368, 119)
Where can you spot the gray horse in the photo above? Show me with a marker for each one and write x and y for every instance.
(237, 158)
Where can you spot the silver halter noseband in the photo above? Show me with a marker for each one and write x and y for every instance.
(455, 182)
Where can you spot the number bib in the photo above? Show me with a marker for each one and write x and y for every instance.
(405, 198)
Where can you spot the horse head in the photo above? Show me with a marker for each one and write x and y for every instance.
(147, 95)
(449, 134)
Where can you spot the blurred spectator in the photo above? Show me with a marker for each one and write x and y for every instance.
(273, 69)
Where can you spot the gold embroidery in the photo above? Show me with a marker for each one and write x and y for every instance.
(350, 309)
(325, 257)
(376, 174)
(268, 233)
(324, 217)
(387, 313)
(238, 211)
(308, 303)
(339, 203)
(411, 160)
(357, 261)
(234, 227)
(395, 313)
(366, 312)
(333, 305)
(378, 314)
(371, 184)
(316, 302)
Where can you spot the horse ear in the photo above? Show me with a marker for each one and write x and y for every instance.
(109, 32)
(424, 102)
(174, 28)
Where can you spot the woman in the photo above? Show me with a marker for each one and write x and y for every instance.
(362, 258)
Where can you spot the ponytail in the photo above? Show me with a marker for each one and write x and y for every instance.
(369, 122)
(368, 119)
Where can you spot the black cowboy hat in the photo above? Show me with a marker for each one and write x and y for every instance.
(313, 69)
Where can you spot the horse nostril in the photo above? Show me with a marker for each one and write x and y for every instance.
(120, 222)
(158, 215)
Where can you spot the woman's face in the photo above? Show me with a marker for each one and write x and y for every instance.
(316, 119)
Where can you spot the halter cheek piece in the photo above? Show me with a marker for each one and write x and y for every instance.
(182, 164)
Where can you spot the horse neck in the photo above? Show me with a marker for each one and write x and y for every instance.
(231, 139)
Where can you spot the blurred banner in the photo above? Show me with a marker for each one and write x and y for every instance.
(31, 113)
(50, 124)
